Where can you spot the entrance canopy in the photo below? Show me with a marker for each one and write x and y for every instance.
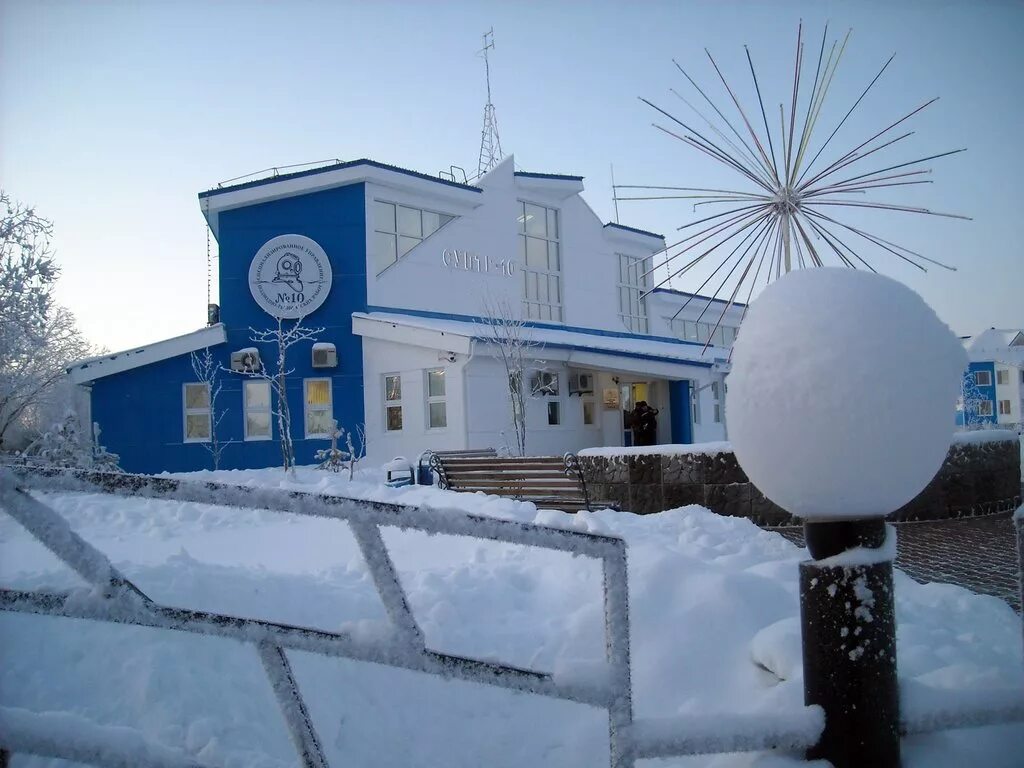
(580, 347)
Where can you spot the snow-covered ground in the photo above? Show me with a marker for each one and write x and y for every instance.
(714, 629)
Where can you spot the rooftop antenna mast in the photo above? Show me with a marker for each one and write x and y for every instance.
(490, 143)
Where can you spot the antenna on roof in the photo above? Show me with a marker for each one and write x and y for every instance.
(615, 193)
(490, 143)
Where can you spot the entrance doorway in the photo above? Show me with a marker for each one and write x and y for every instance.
(629, 395)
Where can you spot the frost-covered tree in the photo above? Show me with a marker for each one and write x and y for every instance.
(281, 339)
(65, 445)
(38, 338)
(207, 371)
(508, 333)
(971, 400)
(334, 458)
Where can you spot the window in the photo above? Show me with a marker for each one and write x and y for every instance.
(542, 260)
(632, 283)
(589, 413)
(1002, 376)
(983, 378)
(197, 413)
(554, 413)
(256, 403)
(1004, 408)
(319, 412)
(393, 402)
(717, 396)
(689, 330)
(437, 409)
(398, 229)
(545, 384)
(984, 407)
(695, 402)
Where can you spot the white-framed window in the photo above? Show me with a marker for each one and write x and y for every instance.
(400, 228)
(256, 405)
(984, 407)
(392, 402)
(1002, 376)
(545, 384)
(196, 407)
(319, 408)
(633, 282)
(554, 412)
(716, 395)
(589, 406)
(694, 402)
(983, 378)
(1004, 408)
(1022, 376)
(437, 406)
(690, 330)
(539, 251)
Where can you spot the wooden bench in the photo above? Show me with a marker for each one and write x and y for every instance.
(550, 482)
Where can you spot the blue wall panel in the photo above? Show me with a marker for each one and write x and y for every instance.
(679, 402)
(140, 412)
(987, 392)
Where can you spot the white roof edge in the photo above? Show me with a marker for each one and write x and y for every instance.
(597, 342)
(629, 236)
(399, 329)
(213, 205)
(116, 362)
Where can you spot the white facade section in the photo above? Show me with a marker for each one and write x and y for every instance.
(465, 263)
(623, 371)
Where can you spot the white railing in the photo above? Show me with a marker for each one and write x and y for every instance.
(116, 599)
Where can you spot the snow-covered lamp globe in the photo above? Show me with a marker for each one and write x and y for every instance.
(842, 392)
(840, 410)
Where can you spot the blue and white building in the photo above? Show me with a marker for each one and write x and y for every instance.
(993, 384)
(399, 268)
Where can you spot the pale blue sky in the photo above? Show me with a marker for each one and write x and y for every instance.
(114, 115)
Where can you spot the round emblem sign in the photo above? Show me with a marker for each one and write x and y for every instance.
(290, 276)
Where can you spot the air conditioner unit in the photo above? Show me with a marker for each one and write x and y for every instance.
(325, 356)
(581, 384)
(246, 360)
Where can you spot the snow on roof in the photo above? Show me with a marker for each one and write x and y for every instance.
(699, 296)
(340, 165)
(634, 230)
(589, 340)
(104, 365)
(1004, 345)
(554, 176)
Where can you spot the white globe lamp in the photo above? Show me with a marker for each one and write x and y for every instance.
(841, 397)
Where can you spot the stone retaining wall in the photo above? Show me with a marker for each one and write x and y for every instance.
(976, 478)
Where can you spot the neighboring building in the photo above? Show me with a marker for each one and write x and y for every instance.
(396, 267)
(993, 385)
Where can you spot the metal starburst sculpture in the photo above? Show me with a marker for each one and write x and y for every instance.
(785, 214)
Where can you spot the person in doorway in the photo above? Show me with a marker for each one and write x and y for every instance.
(645, 424)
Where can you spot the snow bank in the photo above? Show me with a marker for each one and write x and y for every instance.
(978, 436)
(60, 733)
(713, 600)
(710, 448)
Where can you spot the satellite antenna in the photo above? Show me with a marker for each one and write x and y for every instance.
(490, 143)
